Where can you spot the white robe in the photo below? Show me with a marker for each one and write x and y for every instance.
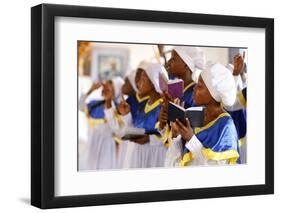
(101, 147)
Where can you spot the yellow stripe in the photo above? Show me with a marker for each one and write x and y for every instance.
(86, 111)
(93, 122)
(242, 99)
(231, 155)
(186, 159)
(200, 129)
(118, 117)
(117, 140)
(149, 108)
(242, 141)
(188, 86)
(141, 99)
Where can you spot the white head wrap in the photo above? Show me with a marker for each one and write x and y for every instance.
(132, 79)
(117, 83)
(220, 83)
(153, 70)
(193, 57)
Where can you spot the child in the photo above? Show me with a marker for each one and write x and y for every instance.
(132, 103)
(217, 141)
(149, 151)
(102, 148)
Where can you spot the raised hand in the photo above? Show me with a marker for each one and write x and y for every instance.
(94, 86)
(123, 107)
(238, 63)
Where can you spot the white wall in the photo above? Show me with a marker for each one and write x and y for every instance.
(15, 106)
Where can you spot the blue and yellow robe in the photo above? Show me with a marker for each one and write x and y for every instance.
(219, 139)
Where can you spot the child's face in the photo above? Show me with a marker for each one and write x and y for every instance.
(108, 90)
(175, 65)
(127, 88)
(145, 85)
(201, 94)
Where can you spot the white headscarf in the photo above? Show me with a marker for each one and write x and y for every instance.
(193, 57)
(220, 83)
(131, 77)
(117, 83)
(153, 70)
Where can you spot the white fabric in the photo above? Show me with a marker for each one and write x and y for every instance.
(131, 77)
(193, 57)
(100, 151)
(117, 85)
(143, 65)
(175, 153)
(102, 148)
(153, 70)
(220, 83)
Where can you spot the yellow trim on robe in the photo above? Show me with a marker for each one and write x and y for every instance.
(242, 99)
(242, 141)
(94, 122)
(141, 99)
(149, 108)
(117, 139)
(188, 86)
(187, 157)
(200, 129)
(231, 155)
(86, 111)
(118, 117)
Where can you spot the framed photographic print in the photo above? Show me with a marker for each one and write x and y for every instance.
(141, 106)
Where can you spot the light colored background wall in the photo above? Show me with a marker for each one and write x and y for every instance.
(15, 106)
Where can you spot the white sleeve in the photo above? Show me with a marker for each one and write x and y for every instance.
(82, 102)
(174, 153)
(195, 147)
(127, 119)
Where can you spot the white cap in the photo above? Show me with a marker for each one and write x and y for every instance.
(193, 57)
(220, 83)
(153, 70)
(117, 83)
(131, 77)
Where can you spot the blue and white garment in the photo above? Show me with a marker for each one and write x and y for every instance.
(151, 154)
(188, 95)
(102, 147)
(217, 141)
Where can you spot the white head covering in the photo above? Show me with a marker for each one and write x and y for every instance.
(193, 57)
(153, 70)
(220, 83)
(131, 77)
(143, 65)
(117, 83)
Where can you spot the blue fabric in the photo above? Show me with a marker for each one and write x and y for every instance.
(239, 118)
(147, 120)
(219, 137)
(188, 97)
(95, 109)
(135, 105)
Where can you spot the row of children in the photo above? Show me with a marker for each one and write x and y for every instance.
(218, 88)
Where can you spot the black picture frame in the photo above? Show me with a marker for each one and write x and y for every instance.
(43, 105)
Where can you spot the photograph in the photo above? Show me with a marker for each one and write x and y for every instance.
(143, 105)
